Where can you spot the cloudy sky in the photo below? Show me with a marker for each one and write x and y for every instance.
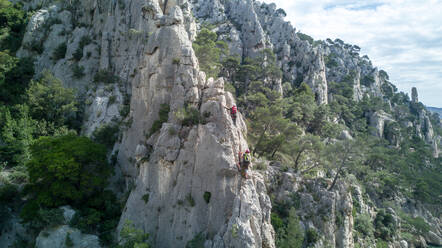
(403, 37)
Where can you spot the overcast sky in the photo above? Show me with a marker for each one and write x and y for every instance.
(402, 37)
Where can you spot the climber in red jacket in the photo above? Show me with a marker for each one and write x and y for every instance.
(233, 113)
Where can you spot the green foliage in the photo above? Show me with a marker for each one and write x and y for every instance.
(65, 170)
(48, 100)
(105, 76)
(197, 241)
(385, 226)
(68, 242)
(146, 198)
(311, 236)
(207, 196)
(163, 117)
(305, 37)
(381, 244)
(364, 225)
(288, 234)
(133, 238)
(99, 215)
(13, 22)
(17, 131)
(78, 54)
(367, 80)
(7, 193)
(106, 135)
(40, 218)
(59, 52)
(208, 51)
(176, 61)
(78, 71)
(189, 116)
(15, 75)
(190, 200)
(304, 150)
(414, 225)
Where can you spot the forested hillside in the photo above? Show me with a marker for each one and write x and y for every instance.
(115, 131)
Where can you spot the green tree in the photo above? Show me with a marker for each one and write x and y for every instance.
(15, 75)
(293, 235)
(12, 25)
(16, 135)
(306, 152)
(66, 170)
(342, 155)
(133, 237)
(51, 102)
(208, 51)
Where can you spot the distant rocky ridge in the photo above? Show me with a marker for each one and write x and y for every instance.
(436, 110)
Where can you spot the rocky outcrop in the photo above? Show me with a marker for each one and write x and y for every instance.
(328, 213)
(187, 182)
(248, 27)
(378, 120)
(65, 236)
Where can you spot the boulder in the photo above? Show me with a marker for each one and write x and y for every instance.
(64, 237)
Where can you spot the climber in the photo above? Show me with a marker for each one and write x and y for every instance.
(233, 112)
(244, 163)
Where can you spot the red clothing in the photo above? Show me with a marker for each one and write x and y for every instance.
(233, 110)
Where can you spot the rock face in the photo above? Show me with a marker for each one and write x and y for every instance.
(328, 213)
(65, 236)
(189, 184)
(378, 121)
(185, 177)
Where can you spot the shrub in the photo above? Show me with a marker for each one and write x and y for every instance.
(176, 61)
(163, 117)
(363, 224)
(189, 116)
(197, 241)
(385, 226)
(7, 193)
(68, 242)
(48, 100)
(172, 131)
(40, 218)
(59, 52)
(146, 198)
(112, 100)
(190, 200)
(261, 166)
(78, 54)
(312, 236)
(124, 110)
(105, 76)
(305, 37)
(78, 71)
(207, 196)
(106, 134)
(132, 237)
(419, 224)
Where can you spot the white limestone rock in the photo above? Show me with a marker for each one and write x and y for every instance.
(56, 238)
